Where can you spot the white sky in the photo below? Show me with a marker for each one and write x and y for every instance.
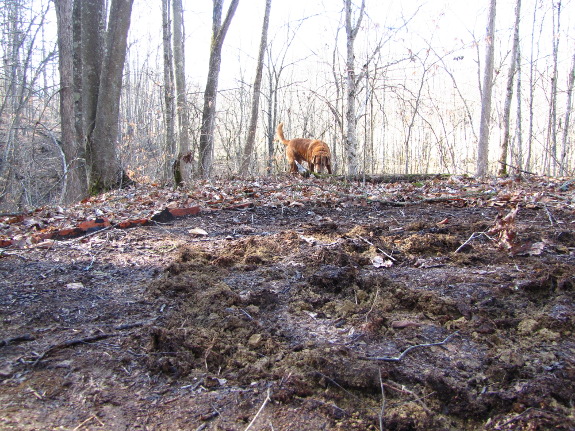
(448, 23)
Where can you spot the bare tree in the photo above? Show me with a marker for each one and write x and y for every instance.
(566, 128)
(483, 145)
(169, 110)
(20, 76)
(75, 185)
(219, 31)
(105, 169)
(551, 153)
(351, 31)
(182, 171)
(509, 93)
(415, 105)
(518, 154)
(92, 51)
(532, 84)
(249, 148)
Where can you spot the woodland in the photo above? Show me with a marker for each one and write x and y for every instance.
(160, 268)
(91, 100)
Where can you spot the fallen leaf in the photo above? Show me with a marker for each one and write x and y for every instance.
(378, 262)
(400, 324)
(197, 231)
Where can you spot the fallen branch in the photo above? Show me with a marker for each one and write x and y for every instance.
(17, 339)
(71, 343)
(406, 351)
(87, 340)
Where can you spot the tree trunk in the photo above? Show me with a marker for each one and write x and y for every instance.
(92, 52)
(351, 135)
(551, 155)
(77, 53)
(566, 129)
(509, 94)
(483, 146)
(209, 110)
(249, 148)
(519, 125)
(531, 89)
(169, 111)
(75, 185)
(182, 171)
(106, 170)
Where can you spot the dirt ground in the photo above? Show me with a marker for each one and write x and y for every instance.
(439, 305)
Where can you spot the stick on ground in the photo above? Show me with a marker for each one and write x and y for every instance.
(409, 349)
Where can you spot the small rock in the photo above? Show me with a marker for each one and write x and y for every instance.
(255, 340)
(527, 326)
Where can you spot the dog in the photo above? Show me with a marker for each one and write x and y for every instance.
(315, 152)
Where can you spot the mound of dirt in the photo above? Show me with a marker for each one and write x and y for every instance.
(309, 313)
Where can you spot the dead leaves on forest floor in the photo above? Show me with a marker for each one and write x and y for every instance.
(146, 203)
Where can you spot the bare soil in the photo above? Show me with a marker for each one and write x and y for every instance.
(321, 312)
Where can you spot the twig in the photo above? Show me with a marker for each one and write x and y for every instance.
(401, 356)
(524, 412)
(382, 411)
(373, 304)
(378, 249)
(549, 216)
(259, 411)
(88, 420)
(416, 397)
(514, 418)
(471, 238)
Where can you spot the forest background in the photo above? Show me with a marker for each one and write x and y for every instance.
(392, 87)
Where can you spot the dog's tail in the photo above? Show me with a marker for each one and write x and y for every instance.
(280, 134)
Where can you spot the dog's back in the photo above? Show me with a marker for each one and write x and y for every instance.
(315, 152)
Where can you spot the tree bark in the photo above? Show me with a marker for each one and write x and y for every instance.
(532, 80)
(219, 31)
(351, 31)
(169, 110)
(483, 145)
(249, 148)
(509, 93)
(106, 170)
(182, 171)
(75, 185)
(92, 52)
(77, 53)
(566, 129)
(519, 126)
(551, 155)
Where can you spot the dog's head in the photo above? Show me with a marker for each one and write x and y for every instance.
(321, 163)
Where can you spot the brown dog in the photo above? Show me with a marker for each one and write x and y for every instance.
(315, 152)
